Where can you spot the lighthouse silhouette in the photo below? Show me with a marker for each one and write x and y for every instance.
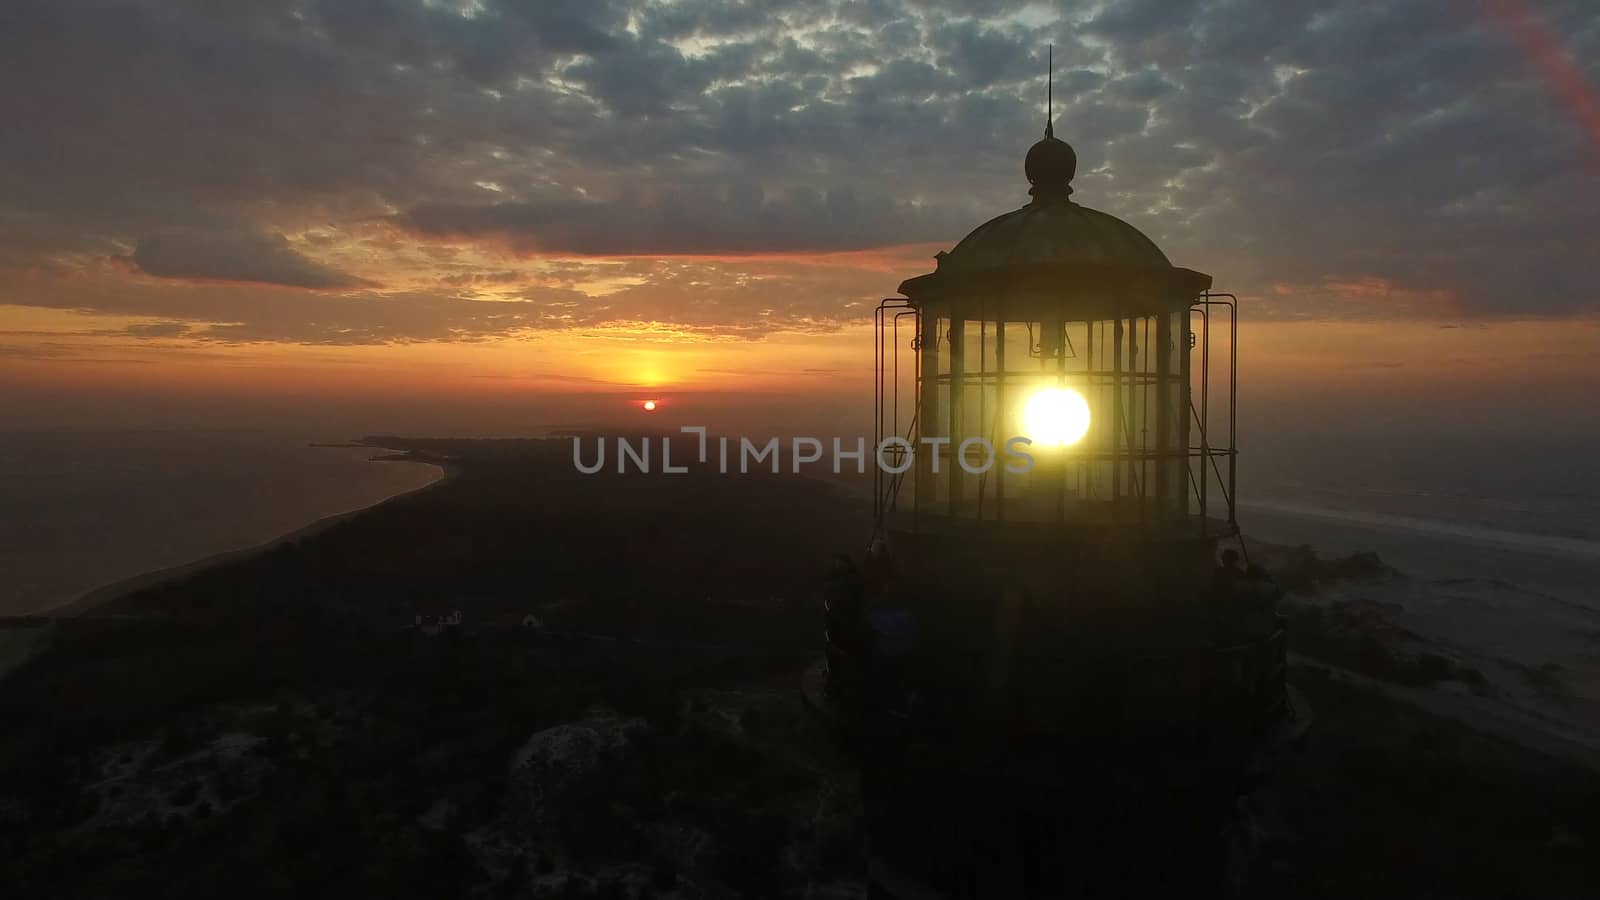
(1057, 680)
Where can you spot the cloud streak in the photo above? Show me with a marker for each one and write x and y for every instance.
(242, 256)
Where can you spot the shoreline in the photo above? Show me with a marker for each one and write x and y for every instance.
(100, 596)
(1383, 599)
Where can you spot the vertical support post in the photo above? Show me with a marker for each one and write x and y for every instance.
(1132, 415)
(1233, 412)
(1000, 412)
(1058, 340)
(1116, 420)
(1091, 489)
(1205, 413)
(894, 416)
(928, 402)
(983, 392)
(958, 391)
(1147, 456)
(1185, 404)
(893, 483)
(880, 369)
(1163, 409)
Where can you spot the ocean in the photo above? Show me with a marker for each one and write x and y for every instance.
(83, 509)
(1513, 509)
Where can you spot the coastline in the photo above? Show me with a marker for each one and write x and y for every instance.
(100, 596)
(1498, 658)
(1407, 612)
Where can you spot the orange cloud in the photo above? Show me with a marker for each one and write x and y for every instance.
(1368, 295)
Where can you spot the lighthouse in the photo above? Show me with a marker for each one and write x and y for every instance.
(1054, 676)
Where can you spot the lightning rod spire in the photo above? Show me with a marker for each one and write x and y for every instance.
(1050, 93)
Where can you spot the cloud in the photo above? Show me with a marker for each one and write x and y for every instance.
(660, 299)
(158, 329)
(245, 256)
(1302, 142)
(730, 219)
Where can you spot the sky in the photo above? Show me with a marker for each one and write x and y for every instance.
(497, 216)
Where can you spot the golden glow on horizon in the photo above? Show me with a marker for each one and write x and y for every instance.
(784, 327)
(46, 350)
(1055, 417)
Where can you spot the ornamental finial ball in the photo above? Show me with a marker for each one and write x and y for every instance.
(1050, 167)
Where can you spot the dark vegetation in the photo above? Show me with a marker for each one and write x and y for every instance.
(276, 727)
(1387, 801)
(647, 588)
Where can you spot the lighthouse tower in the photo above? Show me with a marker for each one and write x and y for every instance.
(1050, 683)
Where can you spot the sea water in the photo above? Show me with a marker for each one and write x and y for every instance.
(1509, 508)
(83, 509)
(1495, 539)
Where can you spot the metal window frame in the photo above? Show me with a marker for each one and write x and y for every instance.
(1202, 462)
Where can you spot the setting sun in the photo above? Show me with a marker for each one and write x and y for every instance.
(649, 406)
